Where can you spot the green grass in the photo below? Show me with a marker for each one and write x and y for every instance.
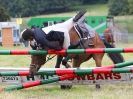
(77, 92)
(109, 91)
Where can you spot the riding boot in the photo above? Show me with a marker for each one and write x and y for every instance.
(32, 70)
(79, 15)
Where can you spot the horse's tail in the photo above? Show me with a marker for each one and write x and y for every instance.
(115, 57)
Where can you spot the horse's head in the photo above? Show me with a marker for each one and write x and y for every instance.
(109, 37)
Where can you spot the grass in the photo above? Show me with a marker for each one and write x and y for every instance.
(109, 91)
(77, 92)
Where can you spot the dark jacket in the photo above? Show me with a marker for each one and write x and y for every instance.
(46, 39)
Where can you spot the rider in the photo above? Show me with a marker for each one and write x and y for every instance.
(108, 34)
(108, 38)
(54, 39)
(41, 38)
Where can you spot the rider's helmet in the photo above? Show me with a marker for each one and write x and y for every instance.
(27, 34)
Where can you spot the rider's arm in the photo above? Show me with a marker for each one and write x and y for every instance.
(40, 38)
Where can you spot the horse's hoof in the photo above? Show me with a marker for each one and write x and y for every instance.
(69, 86)
(33, 71)
(66, 87)
(63, 86)
(98, 86)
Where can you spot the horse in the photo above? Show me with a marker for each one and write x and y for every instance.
(38, 60)
(77, 60)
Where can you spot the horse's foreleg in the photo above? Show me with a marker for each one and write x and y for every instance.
(58, 61)
(76, 62)
(34, 69)
(36, 62)
(98, 60)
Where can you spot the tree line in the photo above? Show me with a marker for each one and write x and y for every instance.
(120, 7)
(26, 8)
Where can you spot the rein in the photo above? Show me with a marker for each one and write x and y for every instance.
(49, 58)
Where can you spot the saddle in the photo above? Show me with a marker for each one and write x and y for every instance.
(80, 32)
(80, 26)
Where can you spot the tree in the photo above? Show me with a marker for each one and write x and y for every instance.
(94, 1)
(118, 7)
(35, 7)
(3, 14)
(130, 2)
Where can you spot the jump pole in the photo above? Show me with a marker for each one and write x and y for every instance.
(67, 71)
(65, 76)
(38, 82)
(69, 51)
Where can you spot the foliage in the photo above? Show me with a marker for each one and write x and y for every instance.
(118, 7)
(26, 8)
(18, 8)
(3, 14)
(35, 7)
(130, 2)
(94, 1)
